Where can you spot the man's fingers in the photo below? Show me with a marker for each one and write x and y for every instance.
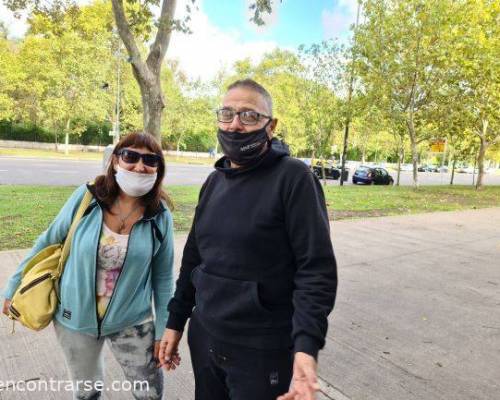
(176, 359)
(170, 356)
(169, 351)
(288, 396)
(312, 378)
(305, 387)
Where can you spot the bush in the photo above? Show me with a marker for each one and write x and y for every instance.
(94, 134)
(25, 132)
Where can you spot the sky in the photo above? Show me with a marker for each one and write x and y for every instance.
(222, 32)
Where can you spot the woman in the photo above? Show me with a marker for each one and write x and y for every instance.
(121, 259)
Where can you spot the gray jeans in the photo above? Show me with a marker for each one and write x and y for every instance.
(133, 348)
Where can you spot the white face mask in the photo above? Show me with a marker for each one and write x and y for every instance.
(134, 184)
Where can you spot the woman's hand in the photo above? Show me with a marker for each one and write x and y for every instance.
(6, 305)
(156, 353)
(169, 349)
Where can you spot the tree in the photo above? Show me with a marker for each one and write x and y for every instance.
(479, 71)
(135, 25)
(405, 62)
(64, 61)
(9, 78)
(323, 75)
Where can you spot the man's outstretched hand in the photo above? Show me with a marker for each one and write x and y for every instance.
(304, 380)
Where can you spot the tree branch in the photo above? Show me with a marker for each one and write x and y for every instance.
(128, 39)
(162, 39)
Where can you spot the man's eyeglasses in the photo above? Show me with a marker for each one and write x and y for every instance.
(133, 157)
(249, 117)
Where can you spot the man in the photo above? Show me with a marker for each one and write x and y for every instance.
(258, 266)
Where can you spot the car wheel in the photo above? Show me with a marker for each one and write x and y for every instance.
(391, 182)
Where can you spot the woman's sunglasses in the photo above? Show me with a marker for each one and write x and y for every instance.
(132, 157)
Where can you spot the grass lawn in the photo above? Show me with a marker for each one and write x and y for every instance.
(86, 155)
(25, 211)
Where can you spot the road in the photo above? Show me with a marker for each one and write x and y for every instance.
(416, 316)
(31, 171)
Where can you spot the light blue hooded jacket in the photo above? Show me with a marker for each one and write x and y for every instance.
(146, 275)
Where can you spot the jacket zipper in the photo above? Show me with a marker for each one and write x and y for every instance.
(95, 277)
(100, 321)
(35, 282)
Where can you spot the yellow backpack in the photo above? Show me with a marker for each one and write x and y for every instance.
(35, 300)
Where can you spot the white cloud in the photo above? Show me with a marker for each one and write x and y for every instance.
(16, 27)
(208, 49)
(201, 54)
(336, 22)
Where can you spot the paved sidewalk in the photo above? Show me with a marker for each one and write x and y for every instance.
(417, 315)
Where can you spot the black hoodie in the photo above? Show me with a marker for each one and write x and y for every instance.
(258, 262)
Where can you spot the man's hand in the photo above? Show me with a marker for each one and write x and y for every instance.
(6, 305)
(304, 381)
(169, 349)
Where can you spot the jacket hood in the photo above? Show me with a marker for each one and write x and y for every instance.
(278, 150)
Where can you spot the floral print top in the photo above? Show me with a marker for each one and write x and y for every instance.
(111, 255)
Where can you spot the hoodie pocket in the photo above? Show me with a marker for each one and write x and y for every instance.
(229, 302)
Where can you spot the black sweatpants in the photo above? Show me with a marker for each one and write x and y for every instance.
(225, 371)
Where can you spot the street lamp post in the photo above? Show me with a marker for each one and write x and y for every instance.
(116, 129)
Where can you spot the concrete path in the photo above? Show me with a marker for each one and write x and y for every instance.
(417, 316)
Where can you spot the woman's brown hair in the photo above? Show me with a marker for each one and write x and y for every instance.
(106, 187)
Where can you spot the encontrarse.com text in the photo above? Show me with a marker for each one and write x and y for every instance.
(54, 385)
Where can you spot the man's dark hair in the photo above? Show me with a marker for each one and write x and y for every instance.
(256, 87)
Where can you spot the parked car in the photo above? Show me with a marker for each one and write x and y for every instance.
(427, 168)
(472, 170)
(331, 172)
(372, 176)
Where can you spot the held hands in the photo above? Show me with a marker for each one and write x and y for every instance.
(169, 349)
(304, 380)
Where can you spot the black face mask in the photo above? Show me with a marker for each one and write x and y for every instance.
(243, 148)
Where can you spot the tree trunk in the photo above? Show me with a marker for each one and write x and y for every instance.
(480, 162)
(147, 73)
(453, 171)
(413, 143)
(178, 146)
(66, 137)
(313, 156)
(153, 104)
(400, 159)
(482, 151)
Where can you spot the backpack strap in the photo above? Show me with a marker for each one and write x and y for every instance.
(156, 231)
(87, 198)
